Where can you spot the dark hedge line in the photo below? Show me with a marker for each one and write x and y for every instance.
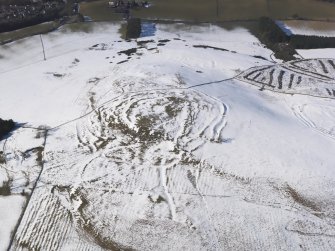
(312, 42)
(11, 26)
(5, 127)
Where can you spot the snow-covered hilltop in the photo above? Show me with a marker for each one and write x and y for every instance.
(195, 138)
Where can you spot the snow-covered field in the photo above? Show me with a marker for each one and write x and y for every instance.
(310, 28)
(187, 140)
(318, 53)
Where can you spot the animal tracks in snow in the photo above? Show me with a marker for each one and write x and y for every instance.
(321, 120)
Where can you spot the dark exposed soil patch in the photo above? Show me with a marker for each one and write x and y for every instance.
(121, 62)
(58, 75)
(163, 41)
(260, 57)
(128, 52)
(141, 43)
(209, 47)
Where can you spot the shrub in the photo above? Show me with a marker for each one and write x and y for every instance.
(6, 126)
(271, 31)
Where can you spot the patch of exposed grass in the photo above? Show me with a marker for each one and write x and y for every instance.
(163, 40)
(187, 160)
(209, 47)
(119, 126)
(39, 152)
(41, 132)
(145, 131)
(300, 199)
(144, 42)
(180, 80)
(174, 107)
(260, 57)
(2, 158)
(94, 80)
(192, 179)
(128, 52)
(159, 200)
(122, 62)
(5, 188)
(58, 75)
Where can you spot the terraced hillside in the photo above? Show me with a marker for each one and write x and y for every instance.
(315, 77)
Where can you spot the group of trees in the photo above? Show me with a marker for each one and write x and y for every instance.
(17, 14)
(275, 39)
(5, 127)
(133, 28)
(271, 31)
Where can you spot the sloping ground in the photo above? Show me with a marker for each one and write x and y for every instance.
(157, 144)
